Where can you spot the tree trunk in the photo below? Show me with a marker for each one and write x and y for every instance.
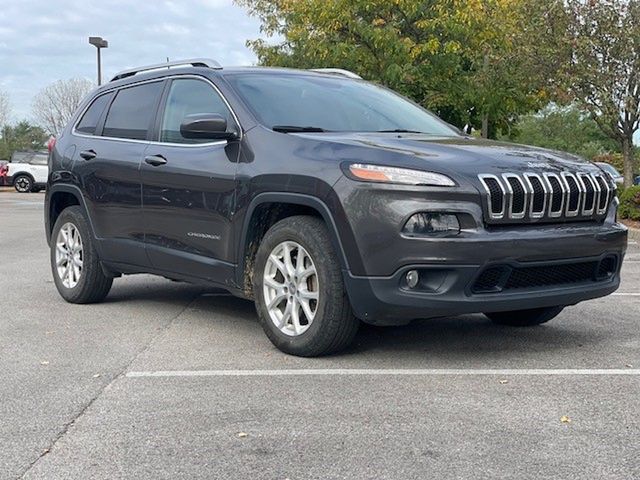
(485, 125)
(627, 155)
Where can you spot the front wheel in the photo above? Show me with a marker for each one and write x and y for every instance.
(299, 292)
(525, 318)
(23, 184)
(76, 268)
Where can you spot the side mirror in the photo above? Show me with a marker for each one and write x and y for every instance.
(206, 126)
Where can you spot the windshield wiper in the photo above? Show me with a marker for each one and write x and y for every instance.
(295, 128)
(398, 130)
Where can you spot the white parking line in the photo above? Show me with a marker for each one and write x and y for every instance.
(391, 371)
(626, 294)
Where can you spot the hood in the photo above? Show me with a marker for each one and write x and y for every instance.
(462, 155)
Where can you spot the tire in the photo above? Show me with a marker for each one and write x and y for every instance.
(525, 318)
(91, 284)
(23, 184)
(333, 325)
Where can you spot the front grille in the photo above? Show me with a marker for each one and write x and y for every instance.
(519, 198)
(500, 278)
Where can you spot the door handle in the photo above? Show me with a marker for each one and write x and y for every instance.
(88, 154)
(155, 160)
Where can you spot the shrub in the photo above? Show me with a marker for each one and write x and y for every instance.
(630, 203)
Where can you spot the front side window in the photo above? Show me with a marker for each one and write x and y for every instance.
(131, 112)
(189, 97)
(91, 117)
(332, 104)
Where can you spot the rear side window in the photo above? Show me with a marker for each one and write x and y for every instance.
(131, 112)
(91, 117)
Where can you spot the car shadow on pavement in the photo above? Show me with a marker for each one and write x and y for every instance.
(451, 338)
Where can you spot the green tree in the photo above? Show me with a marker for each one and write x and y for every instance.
(562, 128)
(23, 136)
(466, 60)
(603, 75)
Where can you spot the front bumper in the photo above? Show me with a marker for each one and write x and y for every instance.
(446, 288)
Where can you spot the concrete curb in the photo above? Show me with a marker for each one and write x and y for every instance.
(634, 234)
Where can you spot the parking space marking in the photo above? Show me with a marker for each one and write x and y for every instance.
(622, 294)
(390, 371)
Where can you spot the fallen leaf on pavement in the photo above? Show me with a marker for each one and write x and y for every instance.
(44, 362)
(565, 419)
(503, 381)
(242, 434)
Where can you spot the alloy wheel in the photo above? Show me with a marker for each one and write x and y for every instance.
(23, 184)
(69, 255)
(290, 288)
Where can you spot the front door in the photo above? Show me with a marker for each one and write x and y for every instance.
(189, 187)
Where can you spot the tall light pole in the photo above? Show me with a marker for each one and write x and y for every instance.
(99, 43)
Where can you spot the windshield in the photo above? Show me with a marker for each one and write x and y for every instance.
(332, 104)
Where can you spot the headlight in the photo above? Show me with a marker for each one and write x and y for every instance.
(405, 176)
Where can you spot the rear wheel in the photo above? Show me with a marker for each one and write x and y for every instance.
(299, 292)
(75, 265)
(23, 183)
(525, 318)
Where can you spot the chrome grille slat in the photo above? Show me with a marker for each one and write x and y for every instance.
(529, 196)
(533, 211)
(588, 205)
(605, 193)
(511, 194)
(556, 193)
(572, 181)
(486, 179)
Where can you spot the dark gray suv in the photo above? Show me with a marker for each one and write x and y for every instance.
(326, 199)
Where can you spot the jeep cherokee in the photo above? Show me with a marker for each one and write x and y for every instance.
(326, 199)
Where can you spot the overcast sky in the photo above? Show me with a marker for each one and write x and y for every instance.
(42, 41)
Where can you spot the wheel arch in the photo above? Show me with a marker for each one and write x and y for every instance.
(265, 210)
(22, 173)
(60, 197)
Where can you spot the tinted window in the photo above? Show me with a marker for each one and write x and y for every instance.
(39, 160)
(333, 103)
(20, 157)
(189, 97)
(131, 112)
(91, 117)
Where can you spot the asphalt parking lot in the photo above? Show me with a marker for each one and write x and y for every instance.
(169, 380)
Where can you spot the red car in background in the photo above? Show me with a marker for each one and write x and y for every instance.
(4, 169)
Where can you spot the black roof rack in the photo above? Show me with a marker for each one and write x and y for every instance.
(194, 62)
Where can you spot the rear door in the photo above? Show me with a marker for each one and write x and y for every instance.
(189, 187)
(108, 162)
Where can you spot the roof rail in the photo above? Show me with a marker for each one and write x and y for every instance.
(194, 62)
(337, 71)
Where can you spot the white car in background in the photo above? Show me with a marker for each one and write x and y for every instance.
(28, 171)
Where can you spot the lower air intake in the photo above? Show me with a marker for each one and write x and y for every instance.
(500, 278)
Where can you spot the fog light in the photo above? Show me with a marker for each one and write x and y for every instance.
(412, 278)
(432, 223)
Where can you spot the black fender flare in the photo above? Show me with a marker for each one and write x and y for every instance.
(295, 199)
(76, 192)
